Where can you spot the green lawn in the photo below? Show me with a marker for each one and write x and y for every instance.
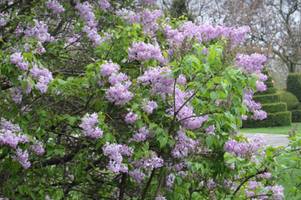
(271, 130)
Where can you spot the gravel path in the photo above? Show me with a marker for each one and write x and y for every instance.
(272, 139)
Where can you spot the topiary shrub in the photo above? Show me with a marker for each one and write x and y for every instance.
(267, 91)
(274, 107)
(293, 84)
(268, 98)
(273, 119)
(282, 89)
(291, 100)
(296, 115)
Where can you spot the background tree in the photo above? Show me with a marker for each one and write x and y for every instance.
(275, 27)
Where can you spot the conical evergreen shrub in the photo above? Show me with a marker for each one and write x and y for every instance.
(277, 114)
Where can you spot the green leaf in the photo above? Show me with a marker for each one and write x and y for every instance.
(24, 85)
(21, 189)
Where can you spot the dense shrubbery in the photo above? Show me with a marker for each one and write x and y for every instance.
(111, 100)
(290, 100)
(293, 84)
(277, 114)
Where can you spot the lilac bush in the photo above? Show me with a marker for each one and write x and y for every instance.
(110, 100)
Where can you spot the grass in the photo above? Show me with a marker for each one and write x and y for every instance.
(271, 130)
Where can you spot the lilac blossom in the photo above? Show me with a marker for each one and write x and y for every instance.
(170, 179)
(39, 31)
(114, 79)
(89, 128)
(143, 51)
(130, 118)
(22, 158)
(86, 13)
(149, 163)
(44, 77)
(183, 145)
(115, 152)
(16, 58)
(149, 106)
(16, 94)
(142, 135)
(137, 175)
(55, 6)
(4, 17)
(251, 64)
(119, 94)
(37, 148)
(277, 191)
(243, 148)
(210, 130)
(104, 4)
(108, 68)
(146, 1)
(93, 36)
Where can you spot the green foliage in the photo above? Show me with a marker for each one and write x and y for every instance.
(296, 115)
(290, 99)
(267, 98)
(273, 119)
(282, 89)
(293, 84)
(179, 8)
(274, 107)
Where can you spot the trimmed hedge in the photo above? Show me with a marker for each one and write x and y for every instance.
(273, 119)
(274, 107)
(269, 84)
(268, 98)
(270, 78)
(290, 99)
(265, 71)
(293, 84)
(296, 115)
(268, 91)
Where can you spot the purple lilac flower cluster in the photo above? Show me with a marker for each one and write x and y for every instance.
(241, 149)
(253, 106)
(22, 158)
(104, 4)
(89, 128)
(206, 31)
(130, 118)
(10, 138)
(17, 58)
(183, 146)
(170, 179)
(86, 13)
(146, 1)
(137, 175)
(7, 135)
(115, 152)
(149, 163)
(39, 31)
(149, 106)
(55, 6)
(252, 63)
(162, 86)
(145, 17)
(143, 51)
(37, 148)
(142, 135)
(16, 94)
(44, 77)
(4, 17)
